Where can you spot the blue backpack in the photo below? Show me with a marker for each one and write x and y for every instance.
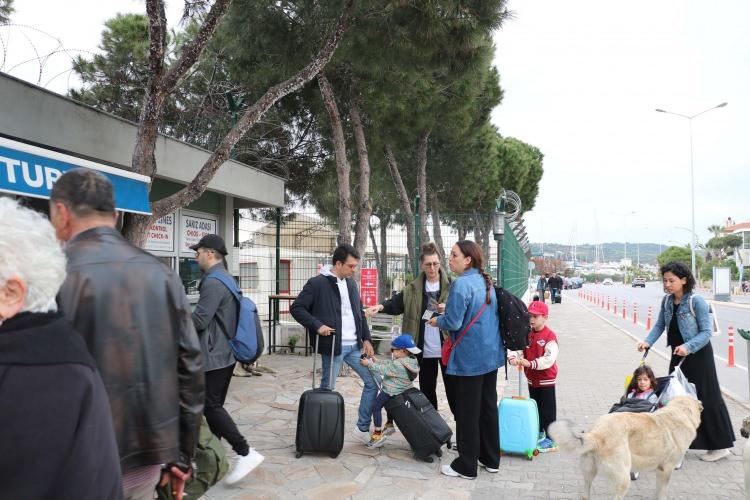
(247, 344)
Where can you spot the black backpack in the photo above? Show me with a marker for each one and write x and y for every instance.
(514, 320)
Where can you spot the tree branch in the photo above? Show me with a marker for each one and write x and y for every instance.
(252, 114)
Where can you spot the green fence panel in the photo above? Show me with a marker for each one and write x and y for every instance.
(515, 271)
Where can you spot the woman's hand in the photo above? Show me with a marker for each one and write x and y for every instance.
(643, 346)
(681, 350)
(441, 308)
(372, 310)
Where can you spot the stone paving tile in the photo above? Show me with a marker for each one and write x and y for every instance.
(594, 359)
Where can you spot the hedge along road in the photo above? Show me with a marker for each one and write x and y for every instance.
(734, 380)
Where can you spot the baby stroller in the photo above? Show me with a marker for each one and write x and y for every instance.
(634, 405)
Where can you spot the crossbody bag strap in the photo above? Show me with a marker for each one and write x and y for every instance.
(471, 323)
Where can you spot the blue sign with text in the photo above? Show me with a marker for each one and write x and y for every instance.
(31, 171)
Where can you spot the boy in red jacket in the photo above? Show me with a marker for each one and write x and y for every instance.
(540, 365)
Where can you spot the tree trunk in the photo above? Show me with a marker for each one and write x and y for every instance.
(462, 230)
(343, 169)
(143, 155)
(436, 228)
(403, 197)
(364, 210)
(386, 287)
(424, 138)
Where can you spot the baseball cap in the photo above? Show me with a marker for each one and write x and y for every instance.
(212, 241)
(538, 307)
(405, 342)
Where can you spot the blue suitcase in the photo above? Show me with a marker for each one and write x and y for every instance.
(519, 424)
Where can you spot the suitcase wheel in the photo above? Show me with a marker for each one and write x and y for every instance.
(536, 452)
(334, 455)
(298, 454)
(427, 459)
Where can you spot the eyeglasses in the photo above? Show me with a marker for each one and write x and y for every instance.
(432, 264)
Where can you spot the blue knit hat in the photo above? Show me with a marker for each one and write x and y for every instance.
(405, 342)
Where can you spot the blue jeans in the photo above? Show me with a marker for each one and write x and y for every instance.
(377, 409)
(350, 354)
(553, 294)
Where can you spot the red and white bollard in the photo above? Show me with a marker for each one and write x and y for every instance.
(608, 309)
(615, 309)
(635, 313)
(624, 308)
(730, 354)
(648, 319)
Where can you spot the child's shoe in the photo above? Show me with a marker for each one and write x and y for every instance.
(378, 439)
(547, 445)
(542, 437)
(389, 428)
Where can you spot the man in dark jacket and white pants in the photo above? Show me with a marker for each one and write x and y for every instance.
(135, 319)
(329, 306)
(215, 318)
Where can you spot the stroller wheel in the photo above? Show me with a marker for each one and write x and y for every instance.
(634, 475)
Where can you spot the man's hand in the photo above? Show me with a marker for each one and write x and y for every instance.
(367, 349)
(176, 480)
(364, 361)
(643, 345)
(372, 310)
(681, 351)
(325, 331)
(432, 321)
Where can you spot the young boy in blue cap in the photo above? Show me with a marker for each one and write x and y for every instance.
(398, 375)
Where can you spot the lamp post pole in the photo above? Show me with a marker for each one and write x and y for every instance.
(692, 179)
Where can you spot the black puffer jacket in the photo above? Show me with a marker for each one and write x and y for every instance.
(135, 319)
(56, 424)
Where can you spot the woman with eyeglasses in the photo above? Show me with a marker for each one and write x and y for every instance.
(423, 295)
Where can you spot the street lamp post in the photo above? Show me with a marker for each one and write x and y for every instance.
(692, 180)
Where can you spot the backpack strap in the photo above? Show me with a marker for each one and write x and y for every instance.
(228, 282)
(690, 302)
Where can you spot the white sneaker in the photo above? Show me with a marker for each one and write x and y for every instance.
(448, 471)
(714, 455)
(243, 465)
(491, 470)
(363, 436)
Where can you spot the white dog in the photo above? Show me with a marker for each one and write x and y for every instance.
(745, 431)
(620, 442)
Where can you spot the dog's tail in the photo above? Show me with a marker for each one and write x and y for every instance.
(567, 440)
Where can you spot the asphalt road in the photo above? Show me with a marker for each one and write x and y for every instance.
(733, 379)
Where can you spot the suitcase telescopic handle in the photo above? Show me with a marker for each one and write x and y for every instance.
(315, 357)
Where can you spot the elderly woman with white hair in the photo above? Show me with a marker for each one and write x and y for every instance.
(57, 438)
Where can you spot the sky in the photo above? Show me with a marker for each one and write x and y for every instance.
(581, 80)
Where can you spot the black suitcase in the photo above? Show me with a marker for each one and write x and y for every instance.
(320, 419)
(420, 423)
(558, 297)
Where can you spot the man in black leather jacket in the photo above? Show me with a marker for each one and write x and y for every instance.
(135, 320)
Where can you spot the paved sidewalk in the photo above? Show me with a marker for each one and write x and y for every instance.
(594, 359)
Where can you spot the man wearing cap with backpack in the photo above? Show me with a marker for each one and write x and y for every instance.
(215, 318)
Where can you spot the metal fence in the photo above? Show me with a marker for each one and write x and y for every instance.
(279, 251)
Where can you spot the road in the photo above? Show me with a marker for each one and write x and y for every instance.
(735, 379)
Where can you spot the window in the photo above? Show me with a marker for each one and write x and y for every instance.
(248, 275)
(190, 274)
(285, 271)
(746, 240)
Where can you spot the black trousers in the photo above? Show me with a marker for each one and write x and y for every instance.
(219, 421)
(428, 373)
(478, 436)
(546, 403)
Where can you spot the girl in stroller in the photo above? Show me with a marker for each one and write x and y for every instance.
(643, 385)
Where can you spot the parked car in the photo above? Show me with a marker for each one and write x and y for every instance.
(641, 282)
(607, 281)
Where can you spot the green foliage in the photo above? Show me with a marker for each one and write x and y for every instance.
(707, 271)
(6, 9)
(679, 254)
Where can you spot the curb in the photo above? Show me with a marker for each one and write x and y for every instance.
(729, 304)
(730, 394)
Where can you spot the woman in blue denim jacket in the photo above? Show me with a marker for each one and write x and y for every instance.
(473, 363)
(689, 334)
